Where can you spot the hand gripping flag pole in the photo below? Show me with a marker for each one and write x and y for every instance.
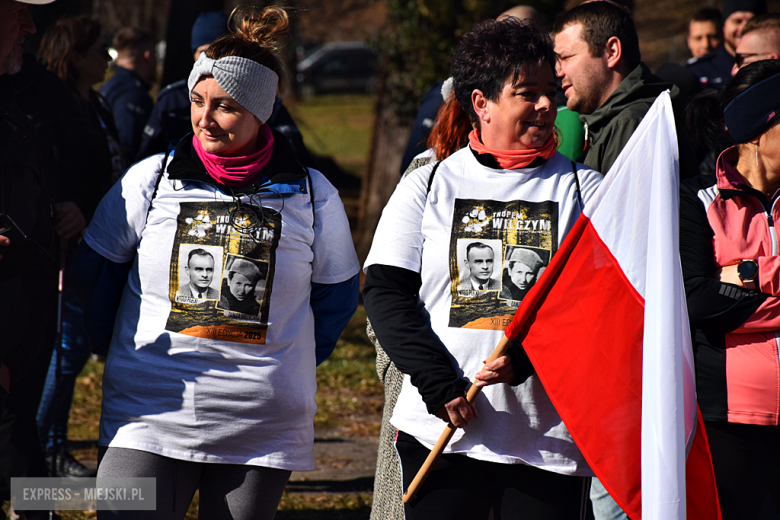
(449, 430)
(528, 305)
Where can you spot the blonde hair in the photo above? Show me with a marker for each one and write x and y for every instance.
(254, 35)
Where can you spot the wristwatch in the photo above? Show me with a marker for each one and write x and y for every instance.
(747, 270)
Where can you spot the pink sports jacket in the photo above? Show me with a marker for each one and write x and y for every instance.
(736, 332)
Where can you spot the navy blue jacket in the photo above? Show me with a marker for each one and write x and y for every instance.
(423, 123)
(128, 96)
(713, 69)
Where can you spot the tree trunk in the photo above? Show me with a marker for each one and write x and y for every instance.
(387, 147)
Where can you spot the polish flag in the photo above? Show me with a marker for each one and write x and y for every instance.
(606, 328)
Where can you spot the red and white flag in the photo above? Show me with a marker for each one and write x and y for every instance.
(606, 328)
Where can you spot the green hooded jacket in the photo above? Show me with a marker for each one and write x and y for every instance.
(609, 127)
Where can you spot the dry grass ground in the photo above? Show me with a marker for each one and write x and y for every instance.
(337, 126)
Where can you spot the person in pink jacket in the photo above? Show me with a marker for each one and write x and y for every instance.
(729, 253)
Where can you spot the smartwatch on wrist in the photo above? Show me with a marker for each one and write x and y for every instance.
(747, 270)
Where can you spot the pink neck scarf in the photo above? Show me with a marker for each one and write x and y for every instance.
(237, 171)
(513, 159)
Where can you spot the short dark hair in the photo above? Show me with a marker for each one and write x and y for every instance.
(198, 252)
(133, 40)
(478, 245)
(601, 21)
(708, 14)
(767, 21)
(495, 52)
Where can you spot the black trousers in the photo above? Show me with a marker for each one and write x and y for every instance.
(459, 487)
(746, 459)
(21, 454)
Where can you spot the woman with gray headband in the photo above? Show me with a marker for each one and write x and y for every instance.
(729, 253)
(242, 275)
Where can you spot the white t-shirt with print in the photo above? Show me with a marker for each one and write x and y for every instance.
(219, 380)
(468, 203)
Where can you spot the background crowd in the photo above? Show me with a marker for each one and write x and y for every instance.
(68, 136)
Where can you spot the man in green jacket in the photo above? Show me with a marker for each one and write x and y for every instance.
(604, 79)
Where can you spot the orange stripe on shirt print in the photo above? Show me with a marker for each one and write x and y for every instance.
(227, 333)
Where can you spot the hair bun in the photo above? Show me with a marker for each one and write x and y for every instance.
(266, 27)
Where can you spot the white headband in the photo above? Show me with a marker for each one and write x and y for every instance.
(252, 85)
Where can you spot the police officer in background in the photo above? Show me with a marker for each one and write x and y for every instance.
(127, 91)
(714, 69)
(705, 32)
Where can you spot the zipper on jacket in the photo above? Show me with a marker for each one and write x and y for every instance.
(777, 347)
(771, 221)
(768, 211)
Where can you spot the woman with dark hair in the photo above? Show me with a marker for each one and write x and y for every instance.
(196, 393)
(510, 187)
(731, 267)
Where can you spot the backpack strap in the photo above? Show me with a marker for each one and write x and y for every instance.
(430, 179)
(577, 182)
(160, 175)
(157, 183)
(311, 197)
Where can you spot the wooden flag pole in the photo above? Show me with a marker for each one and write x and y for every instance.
(449, 430)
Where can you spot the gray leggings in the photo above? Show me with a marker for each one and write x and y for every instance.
(226, 490)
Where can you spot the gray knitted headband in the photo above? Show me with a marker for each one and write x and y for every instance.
(252, 85)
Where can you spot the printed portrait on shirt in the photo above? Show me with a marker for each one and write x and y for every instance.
(243, 285)
(486, 235)
(197, 268)
(522, 268)
(222, 271)
(480, 266)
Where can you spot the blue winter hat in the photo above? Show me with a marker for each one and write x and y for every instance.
(208, 27)
(753, 111)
